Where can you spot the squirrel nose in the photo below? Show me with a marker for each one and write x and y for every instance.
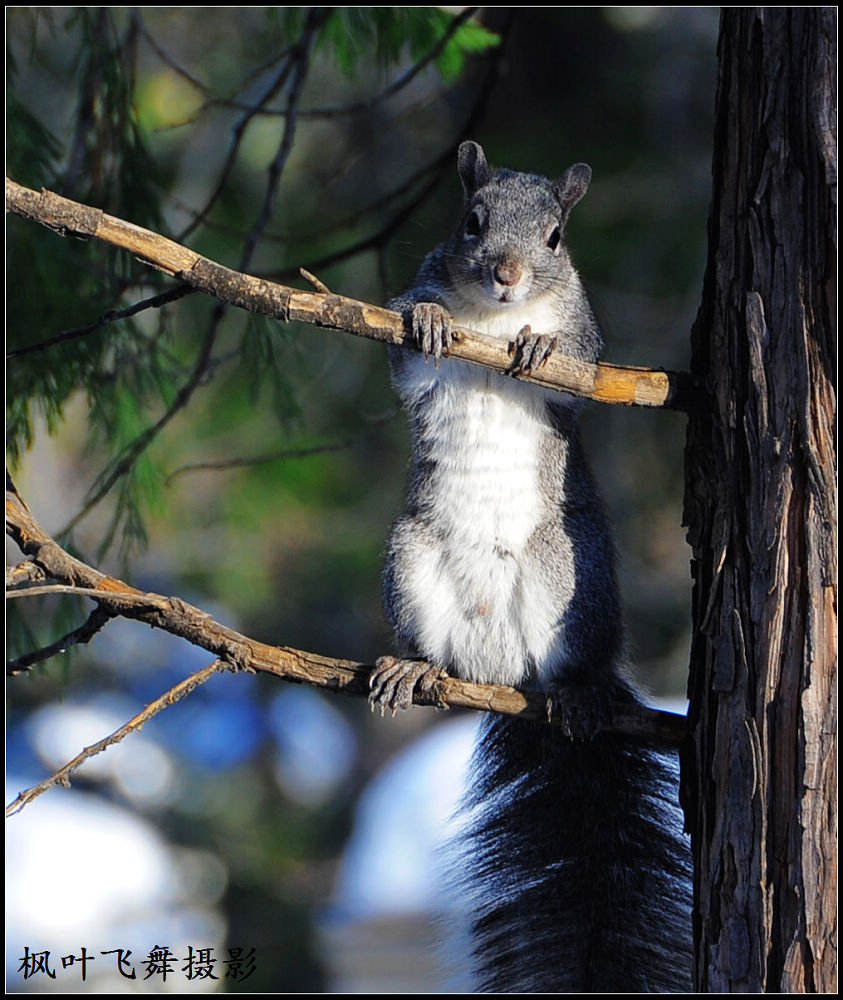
(508, 272)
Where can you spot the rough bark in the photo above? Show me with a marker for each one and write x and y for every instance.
(47, 560)
(761, 510)
(629, 386)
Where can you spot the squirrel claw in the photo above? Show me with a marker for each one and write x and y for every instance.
(530, 350)
(393, 682)
(432, 329)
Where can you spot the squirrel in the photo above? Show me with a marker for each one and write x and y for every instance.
(502, 570)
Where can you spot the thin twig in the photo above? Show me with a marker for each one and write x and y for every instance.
(226, 464)
(300, 63)
(177, 68)
(62, 776)
(316, 16)
(603, 382)
(96, 621)
(238, 133)
(112, 316)
(211, 101)
(176, 616)
(136, 447)
(317, 283)
(344, 222)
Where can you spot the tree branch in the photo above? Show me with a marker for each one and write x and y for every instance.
(232, 648)
(124, 462)
(24, 572)
(112, 316)
(62, 776)
(603, 382)
(226, 464)
(96, 621)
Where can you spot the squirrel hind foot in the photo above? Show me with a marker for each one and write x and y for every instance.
(393, 682)
(582, 710)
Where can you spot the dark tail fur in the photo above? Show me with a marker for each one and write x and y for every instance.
(576, 854)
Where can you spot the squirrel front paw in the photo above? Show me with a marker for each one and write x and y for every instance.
(393, 682)
(432, 329)
(530, 351)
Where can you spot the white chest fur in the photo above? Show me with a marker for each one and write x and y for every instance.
(483, 432)
(478, 607)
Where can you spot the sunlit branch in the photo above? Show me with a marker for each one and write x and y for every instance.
(602, 382)
(236, 650)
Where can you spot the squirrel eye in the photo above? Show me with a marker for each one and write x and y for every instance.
(472, 225)
(554, 238)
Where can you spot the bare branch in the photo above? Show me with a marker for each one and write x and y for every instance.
(274, 456)
(324, 112)
(135, 447)
(62, 776)
(112, 316)
(96, 621)
(603, 382)
(300, 64)
(173, 615)
(294, 63)
(237, 134)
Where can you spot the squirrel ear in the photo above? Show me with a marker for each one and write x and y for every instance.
(572, 185)
(473, 169)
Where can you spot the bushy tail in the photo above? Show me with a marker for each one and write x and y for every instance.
(576, 855)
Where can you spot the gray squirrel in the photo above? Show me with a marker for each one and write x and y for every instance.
(501, 570)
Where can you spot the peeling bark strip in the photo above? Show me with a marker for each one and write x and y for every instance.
(604, 382)
(761, 512)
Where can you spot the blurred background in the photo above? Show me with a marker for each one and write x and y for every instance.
(254, 469)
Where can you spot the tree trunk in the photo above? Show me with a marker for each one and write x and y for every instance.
(760, 781)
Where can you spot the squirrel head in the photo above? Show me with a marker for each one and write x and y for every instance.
(475, 173)
(510, 239)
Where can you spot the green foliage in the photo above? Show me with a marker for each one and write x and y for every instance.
(110, 164)
(32, 158)
(265, 354)
(54, 286)
(469, 39)
(264, 462)
(383, 33)
(137, 374)
(63, 286)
